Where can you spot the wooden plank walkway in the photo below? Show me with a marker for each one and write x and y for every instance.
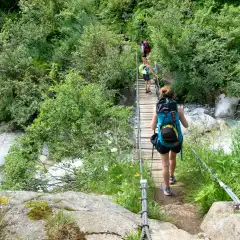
(147, 104)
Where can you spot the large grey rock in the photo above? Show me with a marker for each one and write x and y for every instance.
(97, 216)
(226, 106)
(221, 223)
(198, 111)
(172, 234)
(17, 225)
(201, 122)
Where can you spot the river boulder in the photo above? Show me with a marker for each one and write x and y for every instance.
(226, 106)
(201, 121)
(222, 222)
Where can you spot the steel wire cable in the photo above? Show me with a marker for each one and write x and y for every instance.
(145, 234)
(223, 185)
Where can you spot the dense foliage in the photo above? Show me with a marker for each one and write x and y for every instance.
(79, 119)
(200, 46)
(198, 41)
(46, 39)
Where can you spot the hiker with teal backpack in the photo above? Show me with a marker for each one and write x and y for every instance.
(169, 139)
(145, 70)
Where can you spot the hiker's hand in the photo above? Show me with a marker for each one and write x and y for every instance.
(180, 110)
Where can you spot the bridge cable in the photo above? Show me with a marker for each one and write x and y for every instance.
(223, 185)
(145, 234)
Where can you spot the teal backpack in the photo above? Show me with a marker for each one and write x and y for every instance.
(169, 129)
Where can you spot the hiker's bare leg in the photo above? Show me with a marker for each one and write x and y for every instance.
(172, 159)
(165, 166)
(149, 83)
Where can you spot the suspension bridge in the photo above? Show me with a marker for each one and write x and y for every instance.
(146, 104)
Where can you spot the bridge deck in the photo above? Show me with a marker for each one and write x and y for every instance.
(147, 104)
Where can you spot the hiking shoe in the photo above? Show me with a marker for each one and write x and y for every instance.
(167, 191)
(172, 180)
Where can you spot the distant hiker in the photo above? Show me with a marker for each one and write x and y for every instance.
(144, 71)
(145, 48)
(169, 138)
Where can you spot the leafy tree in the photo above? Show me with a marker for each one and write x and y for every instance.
(200, 47)
(99, 59)
(35, 47)
(79, 119)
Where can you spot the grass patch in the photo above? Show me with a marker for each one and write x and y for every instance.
(4, 200)
(69, 209)
(200, 187)
(133, 236)
(1, 224)
(63, 226)
(38, 210)
(128, 194)
(3, 208)
(120, 179)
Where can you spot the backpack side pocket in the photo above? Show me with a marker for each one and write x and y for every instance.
(154, 139)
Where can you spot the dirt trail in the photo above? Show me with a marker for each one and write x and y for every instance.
(181, 214)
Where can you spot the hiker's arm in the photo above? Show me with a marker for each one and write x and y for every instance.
(154, 121)
(150, 68)
(182, 118)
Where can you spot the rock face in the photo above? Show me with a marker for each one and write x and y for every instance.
(221, 223)
(201, 121)
(226, 106)
(98, 217)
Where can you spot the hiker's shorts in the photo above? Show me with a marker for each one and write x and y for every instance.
(163, 150)
(146, 77)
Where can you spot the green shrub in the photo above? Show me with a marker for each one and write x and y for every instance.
(42, 36)
(133, 236)
(19, 168)
(200, 46)
(79, 121)
(98, 58)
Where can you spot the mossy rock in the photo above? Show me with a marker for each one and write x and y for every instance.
(39, 210)
(4, 201)
(63, 226)
(68, 231)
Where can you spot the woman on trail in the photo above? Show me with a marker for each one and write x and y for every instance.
(146, 70)
(168, 117)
